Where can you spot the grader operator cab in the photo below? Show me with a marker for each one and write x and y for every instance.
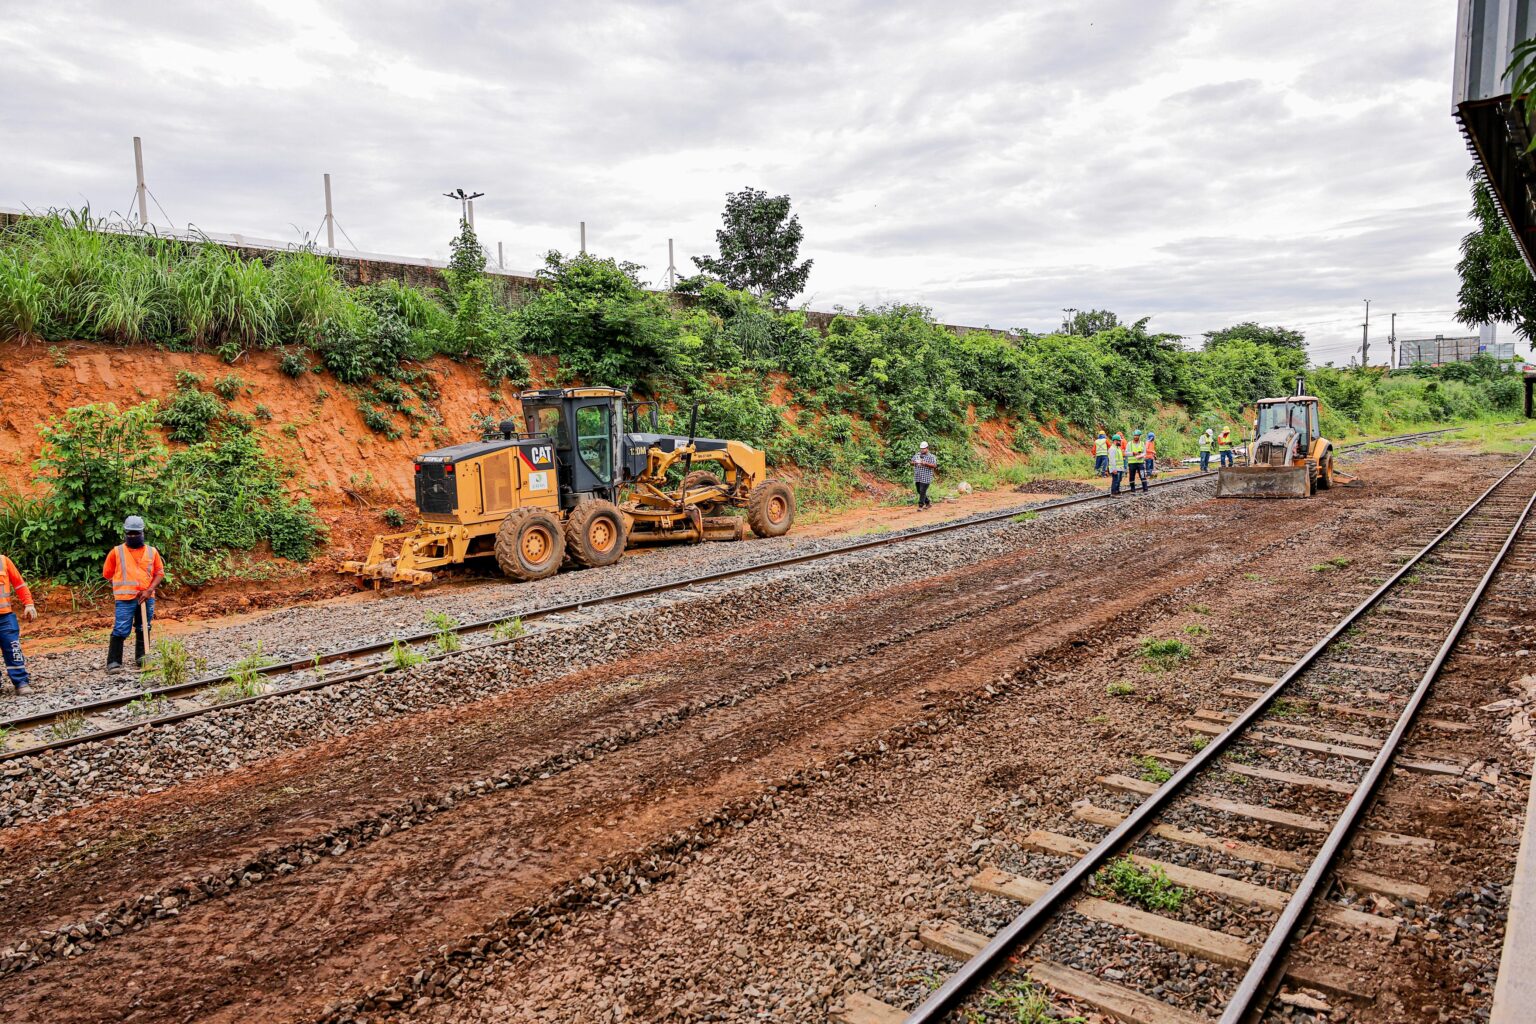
(1288, 456)
(576, 487)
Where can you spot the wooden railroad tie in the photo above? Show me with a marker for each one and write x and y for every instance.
(1442, 724)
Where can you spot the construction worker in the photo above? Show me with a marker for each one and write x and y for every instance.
(1114, 463)
(1206, 440)
(923, 465)
(135, 570)
(14, 593)
(1136, 461)
(1224, 445)
(1101, 455)
(1151, 458)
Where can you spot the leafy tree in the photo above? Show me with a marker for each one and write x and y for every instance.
(1496, 285)
(1085, 323)
(467, 260)
(1276, 337)
(759, 247)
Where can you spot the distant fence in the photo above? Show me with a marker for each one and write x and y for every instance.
(1441, 349)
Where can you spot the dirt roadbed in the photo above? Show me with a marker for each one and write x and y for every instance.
(735, 807)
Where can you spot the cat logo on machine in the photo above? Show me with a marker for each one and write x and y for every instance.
(538, 456)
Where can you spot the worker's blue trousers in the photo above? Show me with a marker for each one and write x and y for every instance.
(122, 616)
(10, 641)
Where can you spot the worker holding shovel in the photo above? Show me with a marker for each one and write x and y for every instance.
(135, 570)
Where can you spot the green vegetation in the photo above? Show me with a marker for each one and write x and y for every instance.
(1162, 655)
(1200, 609)
(234, 690)
(402, 657)
(201, 501)
(148, 706)
(1197, 743)
(170, 664)
(508, 629)
(1195, 629)
(1120, 689)
(67, 726)
(1148, 887)
(447, 640)
(393, 518)
(245, 676)
(1025, 517)
(1021, 1001)
(1152, 770)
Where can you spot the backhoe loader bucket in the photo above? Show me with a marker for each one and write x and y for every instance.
(1263, 482)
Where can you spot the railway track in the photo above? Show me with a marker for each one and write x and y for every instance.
(113, 716)
(1307, 756)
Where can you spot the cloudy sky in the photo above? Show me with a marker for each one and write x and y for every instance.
(1199, 161)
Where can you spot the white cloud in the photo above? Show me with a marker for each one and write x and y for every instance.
(1200, 162)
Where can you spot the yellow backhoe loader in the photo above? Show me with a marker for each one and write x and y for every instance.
(575, 487)
(1288, 456)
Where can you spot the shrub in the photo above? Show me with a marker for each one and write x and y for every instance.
(190, 414)
(294, 363)
(393, 518)
(229, 386)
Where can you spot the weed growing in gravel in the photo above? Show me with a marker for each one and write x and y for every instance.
(1283, 708)
(1197, 743)
(1135, 884)
(1340, 562)
(402, 657)
(235, 690)
(1241, 757)
(1099, 719)
(148, 706)
(1252, 577)
(1120, 689)
(1200, 609)
(1021, 1001)
(507, 629)
(1195, 629)
(1162, 655)
(170, 664)
(1152, 770)
(67, 727)
(447, 640)
(5, 736)
(1026, 517)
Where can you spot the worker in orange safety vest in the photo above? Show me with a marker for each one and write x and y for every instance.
(135, 570)
(14, 595)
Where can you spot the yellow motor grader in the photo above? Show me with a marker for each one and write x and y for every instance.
(575, 487)
(1288, 456)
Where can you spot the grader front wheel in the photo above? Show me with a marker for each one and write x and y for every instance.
(594, 534)
(771, 508)
(701, 478)
(530, 544)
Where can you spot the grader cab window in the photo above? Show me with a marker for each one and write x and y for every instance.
(546, 420)
(595, 441)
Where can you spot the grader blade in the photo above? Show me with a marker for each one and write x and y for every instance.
(1263, 482)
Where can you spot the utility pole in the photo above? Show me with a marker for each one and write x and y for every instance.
(330, 218)
(671, 267)
(141, 191)
(1392, 343)
(501, 258)
(1365, 337)
(470, 212)
(583, 238)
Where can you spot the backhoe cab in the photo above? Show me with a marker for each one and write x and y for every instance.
(1288, 456)
(576, 487)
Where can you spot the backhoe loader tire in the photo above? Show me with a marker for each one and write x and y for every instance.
(1325, 473)
(771, 508)
(702, 478)
(594, 534)
(530, 544)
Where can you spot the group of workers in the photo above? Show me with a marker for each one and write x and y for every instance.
(1136, 459)
(134, 568)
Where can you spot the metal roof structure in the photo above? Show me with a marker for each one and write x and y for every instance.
(1487, 32)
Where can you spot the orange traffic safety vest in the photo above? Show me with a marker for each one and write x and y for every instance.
(7, 593)
(131, 579)
(1225, 438)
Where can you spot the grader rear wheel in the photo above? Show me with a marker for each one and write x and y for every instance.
(594, 534)
(771, 508)
(530, 544)
(702, 478)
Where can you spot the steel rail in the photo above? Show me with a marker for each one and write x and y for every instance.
(1027, 924)
(1261, 972)
(349, 654)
